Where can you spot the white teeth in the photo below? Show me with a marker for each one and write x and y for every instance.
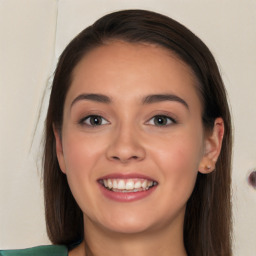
(128, 185)
(137, 184)
(110, 185)
(114, 183)
(144, 184)
(121, 184)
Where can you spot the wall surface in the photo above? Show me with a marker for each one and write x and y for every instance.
(32, 35)
(27, 31)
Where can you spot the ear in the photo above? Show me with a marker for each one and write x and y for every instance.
(59, 149)
(213, 143)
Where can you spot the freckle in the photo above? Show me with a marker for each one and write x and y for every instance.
(252, 179)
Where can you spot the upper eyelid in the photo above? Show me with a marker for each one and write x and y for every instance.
(94, 112)
(82, 120)
(163, 114)
(166, 116)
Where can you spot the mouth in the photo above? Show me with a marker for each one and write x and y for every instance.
(131, 185)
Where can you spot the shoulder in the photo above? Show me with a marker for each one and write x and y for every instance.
(53, 250)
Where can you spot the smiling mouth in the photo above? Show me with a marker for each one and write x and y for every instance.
(127, 185)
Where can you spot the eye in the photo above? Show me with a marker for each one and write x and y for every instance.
(161, 120)
(94, 120)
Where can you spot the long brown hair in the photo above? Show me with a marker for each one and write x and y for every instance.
(208, 222)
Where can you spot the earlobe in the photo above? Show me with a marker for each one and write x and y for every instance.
(206, 165)
(59, 149)
(213, 143)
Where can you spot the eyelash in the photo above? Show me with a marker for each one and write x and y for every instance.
(167, 120)
(90, 118)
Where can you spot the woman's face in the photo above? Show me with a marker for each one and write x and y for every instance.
(132, 121)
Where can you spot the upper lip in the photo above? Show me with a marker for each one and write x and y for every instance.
(126, 176)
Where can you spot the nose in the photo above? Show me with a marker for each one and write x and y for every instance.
(126, 146)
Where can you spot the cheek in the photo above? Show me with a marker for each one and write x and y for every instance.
(182, 151)
(178, 159)
(80, 152)
(80, 155)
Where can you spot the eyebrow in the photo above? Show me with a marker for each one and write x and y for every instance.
(154, 98)
(93, 97)
(164, 97)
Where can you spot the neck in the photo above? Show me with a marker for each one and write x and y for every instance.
(164, 241)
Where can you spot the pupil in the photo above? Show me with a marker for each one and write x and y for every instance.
(95, 120)
(160, 120)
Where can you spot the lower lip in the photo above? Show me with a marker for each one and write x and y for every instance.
(126, 197)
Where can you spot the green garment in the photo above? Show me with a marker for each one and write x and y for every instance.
(45, 250)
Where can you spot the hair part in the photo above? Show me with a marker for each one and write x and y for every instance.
(208, 220)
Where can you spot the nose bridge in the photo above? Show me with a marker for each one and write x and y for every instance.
(126, 144)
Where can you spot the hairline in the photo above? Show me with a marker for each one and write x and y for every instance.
(170, 52)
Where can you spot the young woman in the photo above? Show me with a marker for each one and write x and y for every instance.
(138, 143)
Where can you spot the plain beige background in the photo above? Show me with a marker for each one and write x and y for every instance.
(32, 35)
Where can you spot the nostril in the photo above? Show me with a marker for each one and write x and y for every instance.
(124, 159)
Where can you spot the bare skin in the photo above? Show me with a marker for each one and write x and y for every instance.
(127, 129)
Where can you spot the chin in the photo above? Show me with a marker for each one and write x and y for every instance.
(142, 222)
(124, 223)
(128, 227)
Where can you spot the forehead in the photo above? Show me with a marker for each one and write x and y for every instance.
(132, 69)
(121, 52)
